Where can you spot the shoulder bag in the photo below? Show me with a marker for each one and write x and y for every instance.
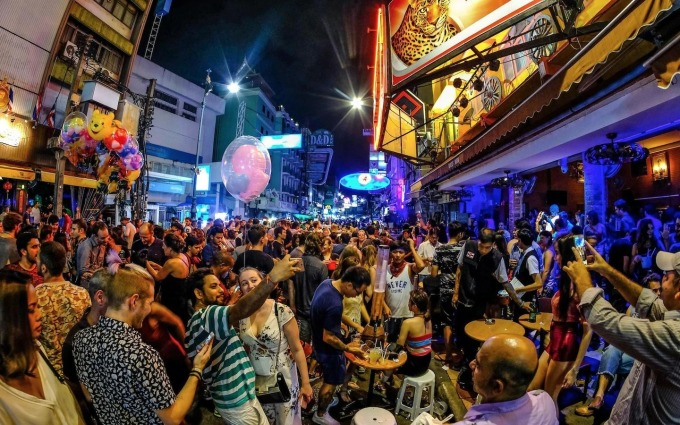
(273, 389)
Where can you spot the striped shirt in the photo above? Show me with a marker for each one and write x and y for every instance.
(419, 345)
(228, 375)
(651, 393)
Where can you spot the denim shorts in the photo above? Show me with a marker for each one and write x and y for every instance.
(333, 367)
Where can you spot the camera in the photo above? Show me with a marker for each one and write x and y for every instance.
(140, 257)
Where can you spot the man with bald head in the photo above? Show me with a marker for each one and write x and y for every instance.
(148, 247)
(501, 372)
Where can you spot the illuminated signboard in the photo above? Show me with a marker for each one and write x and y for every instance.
(282, 141)
(417, 45)
(203, 178)
(365, 181)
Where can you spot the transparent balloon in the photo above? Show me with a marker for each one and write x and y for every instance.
(246, 168)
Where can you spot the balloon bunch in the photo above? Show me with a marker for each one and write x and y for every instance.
(78, 147)
(104, 147)
(246, 168)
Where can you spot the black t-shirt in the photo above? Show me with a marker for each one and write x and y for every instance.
(255, 259)
(154, 251)
(278, 250)
(619, 249)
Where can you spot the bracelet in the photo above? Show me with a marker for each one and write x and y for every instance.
(197, 370)
(196, 374)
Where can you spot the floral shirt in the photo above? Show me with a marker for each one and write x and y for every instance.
(125, 376)
(62, 305)
(446, 258)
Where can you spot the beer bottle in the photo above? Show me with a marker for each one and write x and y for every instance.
(532, 313)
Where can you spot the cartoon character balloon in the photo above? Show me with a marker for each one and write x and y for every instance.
(246, 168)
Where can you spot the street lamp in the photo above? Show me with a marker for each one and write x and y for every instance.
(207, 86)
(233, 87)
(357, 103)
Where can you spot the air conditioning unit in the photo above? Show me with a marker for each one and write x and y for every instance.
(106, 73)
(71, 51)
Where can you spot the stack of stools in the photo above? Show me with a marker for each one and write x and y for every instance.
(373, 416)
(418, 383)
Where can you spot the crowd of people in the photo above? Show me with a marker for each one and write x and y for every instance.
(141, 324)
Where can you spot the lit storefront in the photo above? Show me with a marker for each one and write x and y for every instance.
(519, 88)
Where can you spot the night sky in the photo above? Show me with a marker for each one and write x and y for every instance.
(313, 53)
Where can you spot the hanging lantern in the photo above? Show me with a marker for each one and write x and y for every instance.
(7, 186)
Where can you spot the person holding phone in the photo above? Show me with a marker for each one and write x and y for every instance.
(229, 376)
(569, 332)
(268, 332)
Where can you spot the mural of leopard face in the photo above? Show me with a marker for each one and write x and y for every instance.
(424, 27)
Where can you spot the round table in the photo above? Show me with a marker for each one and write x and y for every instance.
(480, 330)
(543, 321)
(541, 325)
(373, 367)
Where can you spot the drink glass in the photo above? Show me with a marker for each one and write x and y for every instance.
(374, 355)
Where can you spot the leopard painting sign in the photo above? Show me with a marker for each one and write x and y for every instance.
(426, 33)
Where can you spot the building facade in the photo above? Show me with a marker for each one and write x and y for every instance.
(50, 49)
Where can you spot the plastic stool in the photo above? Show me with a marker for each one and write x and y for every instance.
(418, 383)
(373, 416)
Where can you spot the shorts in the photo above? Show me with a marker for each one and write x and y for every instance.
(305, 329)
(249, 413)
(565, 338)
(447, 310)
(333, 366)
(393, 328)
(415, 365)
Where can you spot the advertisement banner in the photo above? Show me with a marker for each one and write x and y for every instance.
(426, 33)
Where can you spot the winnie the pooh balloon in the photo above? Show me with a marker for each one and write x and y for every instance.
(101, 125)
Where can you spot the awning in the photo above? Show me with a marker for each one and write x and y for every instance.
(666, 63)
(625, 26)
(23, 173)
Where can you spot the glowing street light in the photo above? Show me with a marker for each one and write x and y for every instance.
(233, 87)
(357, 103)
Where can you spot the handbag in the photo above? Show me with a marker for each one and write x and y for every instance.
(273, 389)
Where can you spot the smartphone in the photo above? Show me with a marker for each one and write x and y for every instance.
(580, 243)
(206, 342)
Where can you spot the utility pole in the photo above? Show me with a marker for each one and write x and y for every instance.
(207, 89)
(142, 184)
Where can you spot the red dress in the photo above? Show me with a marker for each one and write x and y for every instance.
(565, 332)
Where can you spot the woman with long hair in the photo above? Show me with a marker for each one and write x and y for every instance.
(172, 276)
(31, 390)
(569, 332)
(415, 337)
(369, 258)
(273, 330)
(644, 249)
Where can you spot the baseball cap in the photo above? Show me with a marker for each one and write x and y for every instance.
(667, 261)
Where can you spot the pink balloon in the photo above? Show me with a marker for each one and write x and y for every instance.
(248, 158)
(258, 182)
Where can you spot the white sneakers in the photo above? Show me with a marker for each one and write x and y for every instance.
(326, 419)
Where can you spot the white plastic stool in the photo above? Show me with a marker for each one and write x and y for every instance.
(418, 383)
(373, 416)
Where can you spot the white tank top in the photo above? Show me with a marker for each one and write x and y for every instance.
(398, 291)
